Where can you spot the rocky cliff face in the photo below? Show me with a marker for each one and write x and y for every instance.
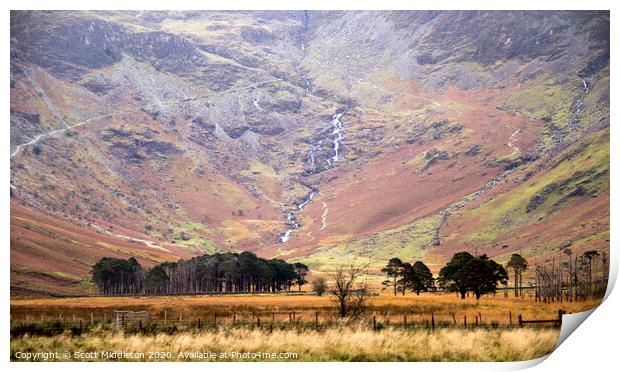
(327, 136)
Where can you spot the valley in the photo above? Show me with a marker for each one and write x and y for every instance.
(327, 137)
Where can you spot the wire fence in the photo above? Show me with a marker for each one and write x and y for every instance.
(144, 322)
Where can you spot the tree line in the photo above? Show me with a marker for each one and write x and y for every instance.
(219, 272)
(571, 279)
(574, 278)
(463, 273)
(403, 276)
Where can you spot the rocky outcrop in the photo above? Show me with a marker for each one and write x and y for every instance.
(257, 35)
(67, 48)
(432, 156)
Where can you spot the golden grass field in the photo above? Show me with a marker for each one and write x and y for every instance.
(334, 344)
(328, 340)
(384, 307)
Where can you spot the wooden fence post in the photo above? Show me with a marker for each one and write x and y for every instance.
(198, 323)
(258, 321)
(480, 316)
(316, 320)
(234, 317)
(476, 321)
(520, 321)
(215, 319)
(290, 318)
(454, 318)
(405, 320)
(465, 320)
(510, 317)
(432, 321)
(165, 317)
(92, 319)
(374, 323)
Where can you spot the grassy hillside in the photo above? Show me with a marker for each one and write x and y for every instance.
(566, 204)
(169, 134)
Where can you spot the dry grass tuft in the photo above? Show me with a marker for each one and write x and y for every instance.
(335, 344)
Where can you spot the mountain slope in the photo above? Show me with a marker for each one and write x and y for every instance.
(325, 136)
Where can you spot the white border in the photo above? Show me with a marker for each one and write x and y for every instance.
(592, 347)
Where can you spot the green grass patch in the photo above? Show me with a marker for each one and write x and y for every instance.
(408, 243)
(582, 171)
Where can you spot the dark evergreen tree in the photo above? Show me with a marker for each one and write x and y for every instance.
(417, 277)
(465, 272)
(219, 272)
(156, 281)
(117, 276)
(451, 276)
(394, 271)
(301, 270)
(518, 264)
(483, 275)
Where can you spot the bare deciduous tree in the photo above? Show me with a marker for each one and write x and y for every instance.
(577, 279)
(349, 291)
(319, 285)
